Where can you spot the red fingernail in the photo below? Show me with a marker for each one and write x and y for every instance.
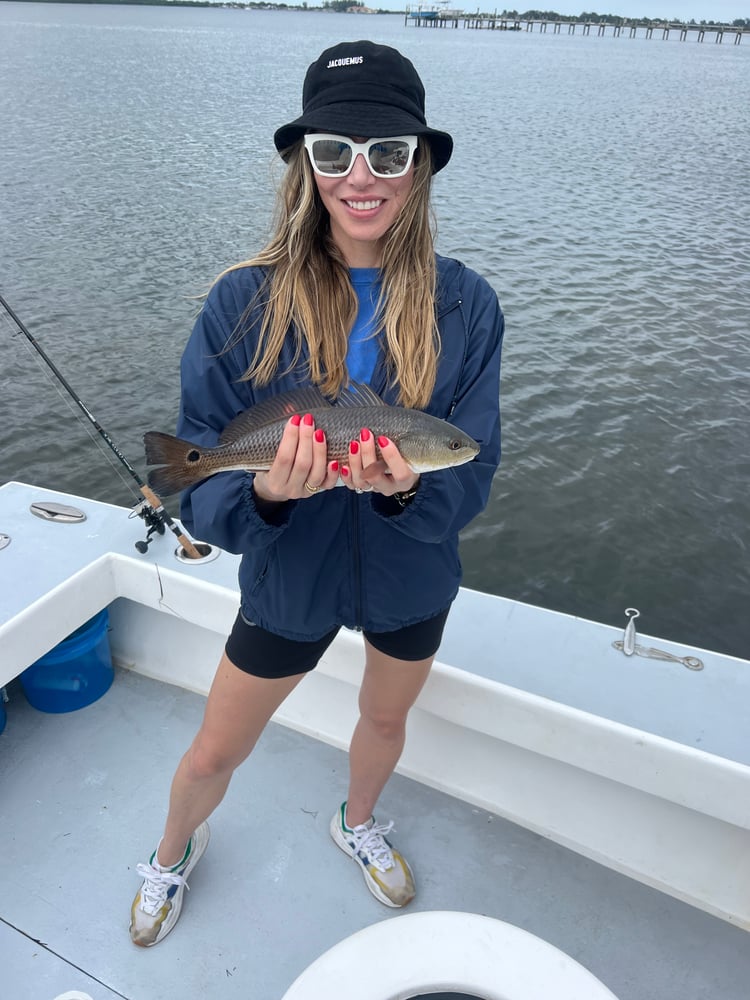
(296, 420)
(354, 447)
(364, 434)
(344, 471)
(334, 466)
(319, 436)
(308, 420)
(383, 441)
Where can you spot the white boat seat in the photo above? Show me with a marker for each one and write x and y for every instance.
(450, 954)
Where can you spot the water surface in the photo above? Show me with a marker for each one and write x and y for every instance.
(600, 184)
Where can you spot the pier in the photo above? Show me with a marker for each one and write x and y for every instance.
(438, 17)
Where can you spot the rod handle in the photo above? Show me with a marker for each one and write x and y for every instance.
(189, 549)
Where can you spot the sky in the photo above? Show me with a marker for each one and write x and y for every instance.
(677, 10)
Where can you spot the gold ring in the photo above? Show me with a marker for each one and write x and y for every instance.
(311, 489)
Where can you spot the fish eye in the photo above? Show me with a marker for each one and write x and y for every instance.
(193, 456)
(454, 445)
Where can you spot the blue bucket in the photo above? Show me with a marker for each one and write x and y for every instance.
(75, 673)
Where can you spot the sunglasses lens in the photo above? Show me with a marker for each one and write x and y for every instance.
(389, 158)
(332, 156)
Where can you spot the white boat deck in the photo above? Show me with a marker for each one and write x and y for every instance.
(84, 797)
(529, 716)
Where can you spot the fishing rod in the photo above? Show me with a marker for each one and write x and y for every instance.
(152, 510)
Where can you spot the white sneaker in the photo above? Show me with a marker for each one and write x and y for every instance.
(387, 874)
(158, 902)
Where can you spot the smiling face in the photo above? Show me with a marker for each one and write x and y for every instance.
(362, 209)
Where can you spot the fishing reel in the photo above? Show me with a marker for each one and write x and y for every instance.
(153, 521)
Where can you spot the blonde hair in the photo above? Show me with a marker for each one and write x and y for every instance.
(309, 290)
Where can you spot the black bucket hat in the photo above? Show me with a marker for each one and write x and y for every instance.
(360, 88)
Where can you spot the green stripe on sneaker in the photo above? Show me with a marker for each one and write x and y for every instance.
(343, 818)
(179, 864)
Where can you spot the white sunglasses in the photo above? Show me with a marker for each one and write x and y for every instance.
(334, 155)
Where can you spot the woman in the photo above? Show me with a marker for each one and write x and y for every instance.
(349, 289)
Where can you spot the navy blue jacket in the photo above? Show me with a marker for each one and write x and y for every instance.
(341, 558)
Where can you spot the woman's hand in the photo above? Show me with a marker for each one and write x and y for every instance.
(301, 466)
(388, 474)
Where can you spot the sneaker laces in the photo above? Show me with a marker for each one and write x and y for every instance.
(156, 886)
(369, 840)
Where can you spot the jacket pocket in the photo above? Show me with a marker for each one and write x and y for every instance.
(260, 575)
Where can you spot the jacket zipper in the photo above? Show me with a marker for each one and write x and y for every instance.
(456, 304)
(356, 562)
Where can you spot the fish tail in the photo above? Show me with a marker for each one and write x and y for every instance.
(179, 460)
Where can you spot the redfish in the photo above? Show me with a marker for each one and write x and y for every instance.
(251, 440)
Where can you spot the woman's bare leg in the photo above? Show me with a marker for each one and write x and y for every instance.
(389, 689)
(238, 708)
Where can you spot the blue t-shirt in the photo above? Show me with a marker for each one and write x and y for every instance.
(362, 355)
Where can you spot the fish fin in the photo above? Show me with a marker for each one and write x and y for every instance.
(284, 404)
(359, 394)
(171, 453)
